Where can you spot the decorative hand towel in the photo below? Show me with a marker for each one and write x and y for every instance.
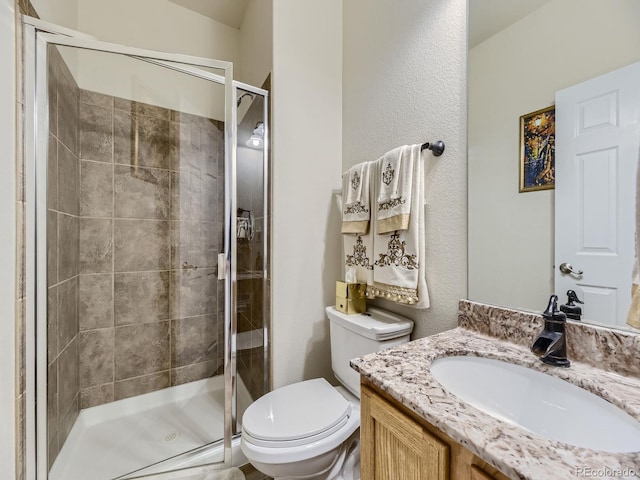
(394, 188)
(356, 211)
(358, 263)
(399, 270)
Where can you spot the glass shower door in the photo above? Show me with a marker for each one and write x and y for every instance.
(133, 154)
(252, 247)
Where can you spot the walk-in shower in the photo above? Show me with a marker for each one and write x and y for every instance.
(148, 311)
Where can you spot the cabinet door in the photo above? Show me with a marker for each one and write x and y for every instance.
(478, 474)
(394, 446)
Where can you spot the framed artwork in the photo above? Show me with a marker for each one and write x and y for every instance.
(537, 150)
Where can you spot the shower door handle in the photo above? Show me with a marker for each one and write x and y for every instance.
(222, 266)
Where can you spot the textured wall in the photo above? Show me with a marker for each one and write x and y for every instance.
(307, 132)
(405, 83)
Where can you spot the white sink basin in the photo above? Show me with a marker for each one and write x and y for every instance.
(542, 404)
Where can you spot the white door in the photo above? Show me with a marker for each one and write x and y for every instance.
(597, 149)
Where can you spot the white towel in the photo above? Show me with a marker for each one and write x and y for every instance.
(356, 211)
(399, 271)
(395, 184)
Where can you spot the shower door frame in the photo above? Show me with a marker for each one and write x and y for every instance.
(37, 37)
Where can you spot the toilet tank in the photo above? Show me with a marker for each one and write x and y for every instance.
(356, 335)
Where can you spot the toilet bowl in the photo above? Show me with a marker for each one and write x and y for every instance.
(310, 430)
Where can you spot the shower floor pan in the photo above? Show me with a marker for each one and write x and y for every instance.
(149, 433)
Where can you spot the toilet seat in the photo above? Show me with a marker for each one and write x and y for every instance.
(282, 451)
(297, 414)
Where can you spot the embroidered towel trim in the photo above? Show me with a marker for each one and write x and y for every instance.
(393, 207)
(356, 212)
(399, 271)
(358, 251)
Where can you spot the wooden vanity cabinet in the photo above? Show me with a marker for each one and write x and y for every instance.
(396, 444)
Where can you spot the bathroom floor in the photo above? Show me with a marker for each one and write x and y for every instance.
(252, 474)
(249, 472)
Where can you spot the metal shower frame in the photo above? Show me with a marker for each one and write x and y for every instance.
(37, 35)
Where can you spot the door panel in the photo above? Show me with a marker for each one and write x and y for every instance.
(597, 137)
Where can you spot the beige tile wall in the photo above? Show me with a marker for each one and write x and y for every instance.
(151, 217)
(63, 224)
(134, 232)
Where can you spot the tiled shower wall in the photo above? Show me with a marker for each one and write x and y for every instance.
(63, 395)
(135, 222)
(151, 226)
(134, 240)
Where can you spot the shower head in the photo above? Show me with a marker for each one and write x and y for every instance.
(242, 96)
(257, 138)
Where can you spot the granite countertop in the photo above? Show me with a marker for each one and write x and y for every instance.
(403, 372)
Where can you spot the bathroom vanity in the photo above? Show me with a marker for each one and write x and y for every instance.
(414, 427)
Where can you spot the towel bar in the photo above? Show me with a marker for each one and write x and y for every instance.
(437, 148)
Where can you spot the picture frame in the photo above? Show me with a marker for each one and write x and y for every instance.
(537, 150)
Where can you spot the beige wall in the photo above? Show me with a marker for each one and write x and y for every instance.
(256, 43)
(153, 25)
(511, 234)
(307, 163)
(60, 12)
(404, 82)
(164, 26)
(158, 25)
(8, 291)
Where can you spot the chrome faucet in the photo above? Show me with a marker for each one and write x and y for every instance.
(551, 344)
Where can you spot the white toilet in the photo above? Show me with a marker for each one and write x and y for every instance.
(310, 430)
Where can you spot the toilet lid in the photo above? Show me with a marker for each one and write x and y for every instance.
(296, 414)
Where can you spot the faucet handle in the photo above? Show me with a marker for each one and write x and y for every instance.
(571, 310)
(572, 296)
(552, 308)
(554, 318)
